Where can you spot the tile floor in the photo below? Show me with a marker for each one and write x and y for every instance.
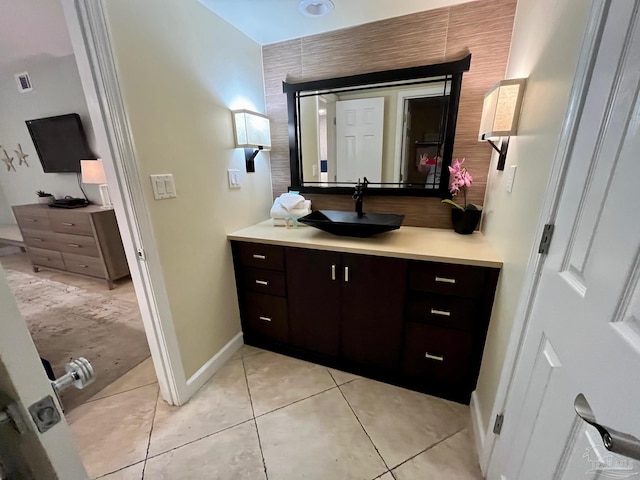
(267, 416)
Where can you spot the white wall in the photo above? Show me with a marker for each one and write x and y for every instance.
(547, 35)
(181, 69)
(56, 91)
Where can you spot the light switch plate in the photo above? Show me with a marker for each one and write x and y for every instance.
(163, 186)
(510, 177)
(234, 178)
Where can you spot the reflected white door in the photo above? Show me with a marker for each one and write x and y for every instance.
(359, 127)
(584, 332)
(49, 455)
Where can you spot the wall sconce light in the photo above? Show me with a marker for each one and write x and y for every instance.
(93, 173)
(251, 132)
(500, 113)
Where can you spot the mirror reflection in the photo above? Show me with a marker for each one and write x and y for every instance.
(394, 136)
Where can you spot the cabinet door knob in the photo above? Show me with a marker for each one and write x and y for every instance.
(443, 313)
(445, 280)
(259, 257)
(266, 319)
(333, 272)
(346, 274)
(262, 282)
(439, 358)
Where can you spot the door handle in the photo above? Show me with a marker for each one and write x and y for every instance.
(614, 441)
(79, 374)
(346, 274)
(333, 271)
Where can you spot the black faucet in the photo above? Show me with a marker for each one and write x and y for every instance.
(358, 195)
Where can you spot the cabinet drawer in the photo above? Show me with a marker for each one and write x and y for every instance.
(447, 279)
(443, 310)
(435, 353)
(264, 281)
(85, 265)
(71, 222)
(261, 256)
(267, 316)
(46, 258)
(77, 244)
(32, 218)
(40, 239)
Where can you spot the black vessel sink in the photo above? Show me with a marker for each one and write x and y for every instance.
(349, 224)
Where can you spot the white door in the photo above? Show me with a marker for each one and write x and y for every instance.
(30, 454)
(584, 331)
(359, 125)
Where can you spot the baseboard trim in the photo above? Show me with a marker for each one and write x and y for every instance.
(478, 427)
(204, 373)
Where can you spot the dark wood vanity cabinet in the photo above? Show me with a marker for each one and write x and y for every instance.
(417, 324)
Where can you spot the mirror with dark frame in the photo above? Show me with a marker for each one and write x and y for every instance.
(395, 127)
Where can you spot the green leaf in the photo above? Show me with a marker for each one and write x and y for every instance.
(472, 206)
(452, 203)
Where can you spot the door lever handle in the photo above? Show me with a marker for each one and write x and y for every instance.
(614, 441)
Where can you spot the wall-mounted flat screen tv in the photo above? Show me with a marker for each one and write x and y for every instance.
(60, 142)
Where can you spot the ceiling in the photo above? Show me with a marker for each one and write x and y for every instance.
(271, 21)
(30, 28)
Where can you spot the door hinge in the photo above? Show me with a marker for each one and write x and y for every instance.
(141, 255)
(497, 426)
(545, 241)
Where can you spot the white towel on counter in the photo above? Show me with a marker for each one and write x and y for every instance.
(295, 210)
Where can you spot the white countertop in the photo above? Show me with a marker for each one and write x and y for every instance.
(414, 243)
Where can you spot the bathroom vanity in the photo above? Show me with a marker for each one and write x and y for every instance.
(410, 307)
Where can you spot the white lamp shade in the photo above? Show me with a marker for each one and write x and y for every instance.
(93, 172)
(501, 109)
(251, 130)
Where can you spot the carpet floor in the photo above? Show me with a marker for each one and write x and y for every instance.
(68, 321)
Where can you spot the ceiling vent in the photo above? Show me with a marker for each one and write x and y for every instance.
(24, 82)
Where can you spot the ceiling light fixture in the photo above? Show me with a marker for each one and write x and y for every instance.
(316, 8)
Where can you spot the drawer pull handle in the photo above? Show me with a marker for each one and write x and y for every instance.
(68, 224)
(74, 245)
(259, 257)
(333, 272)
(82, 266)
(443, 313)
(38, 240)
(266, 319)
(262, 282)
(445, 280)
(30, 220)
(439, 358)
(346, 274)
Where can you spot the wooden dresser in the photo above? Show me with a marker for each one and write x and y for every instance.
(84, 241)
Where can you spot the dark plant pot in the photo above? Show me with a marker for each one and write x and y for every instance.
(465, 221)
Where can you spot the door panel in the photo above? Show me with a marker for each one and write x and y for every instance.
(313, 285)
(373, 291)
(586, 303)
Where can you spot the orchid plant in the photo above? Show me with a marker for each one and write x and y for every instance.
(461, 179)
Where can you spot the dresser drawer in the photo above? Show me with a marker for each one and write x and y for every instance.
(434, 353)
(447, 279)
(86, 265)
(76, 223)
(258, 255)
(267, 316)
(32, 218)
(46, 258)
(77, 244)
(443, 310)
(260, 280)
(40, 239)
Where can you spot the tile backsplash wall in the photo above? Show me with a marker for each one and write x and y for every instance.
(482, 28)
